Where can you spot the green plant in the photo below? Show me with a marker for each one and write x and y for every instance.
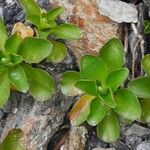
(13, 140)
(16, 54)
(45, 23)
(147, 26)
(104, 99)
(141, 88)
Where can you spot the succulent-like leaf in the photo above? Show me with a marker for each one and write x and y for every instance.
(145, 105)
(81, 110)
(112, 54)
(59, 52)
(116, 78)
(54, 13)
(13, 140)
(146, 64)
(35, 19)
(42, 84)
(67, 31)
(108, 129)
(127, 105)
(18, 79)
(108, 98)
(4, 88)
(12, 43)
(97, 111)
(140, 87)
(34, 50)
(3, 68)
(92, 67)
(147, 26)
(45, 25)
(3, 34)
(68, 82)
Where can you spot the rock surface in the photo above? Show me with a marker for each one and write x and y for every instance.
(118, 11)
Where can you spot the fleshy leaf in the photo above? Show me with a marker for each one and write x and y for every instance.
(112, 54)
(116, 78)
(87, 86)
(34, 19)
(18, 79)
(34, 50)
(13, 140)
(68, 81)
(127, 105)
(67, 31)
(92, 67)
(12, 43)
(140, 87)
(4, 89)
(54, 13)
(59, 52)
(97, 112)
(3, 34)
(145, 105)
(108, 129)
(146, 64)
(42, 85)
(81, 110)
(147, 26)
(108, 98)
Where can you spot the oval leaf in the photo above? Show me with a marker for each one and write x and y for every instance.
(112, 54)
(59, 52)
(67, 32)
(3, 34)
(108, 129)
(34, 50)
(92, 67)
(68, 81)
(12, 43)
(116, 78)
(42, 85)
(4, 89)
(97, 112)
(81, 110)
(147, 26)
(18, 79)
(13, 140)
(146, 64)
(140, 87)
(127, 105)
(145, 105)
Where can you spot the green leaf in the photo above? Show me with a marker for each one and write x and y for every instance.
(67, 83)
(116, 78)
(54, 13)
(18, 79)
(92, 67)
(112, 54)
(97, 112)
(87, 86)
(140, 87)
(81, 110)
(4, 89)
(42, 85)
(108, 98)
(45, 25)
(67, 32)
(147, 26)
(59, 52)
(13, 140)
(12, 43)
(3, 68)
(42, 34)
(108, 129)
(34, 19)
(3, 34)
(145, 105)
(34, 50)
(127, 105)
(146, 64)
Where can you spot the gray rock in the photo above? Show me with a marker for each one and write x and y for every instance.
(118, 11)
(144, 146)
(103, 149)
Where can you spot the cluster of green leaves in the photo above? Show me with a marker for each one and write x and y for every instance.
(103, 101)
(16, 55)
(45, 25)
